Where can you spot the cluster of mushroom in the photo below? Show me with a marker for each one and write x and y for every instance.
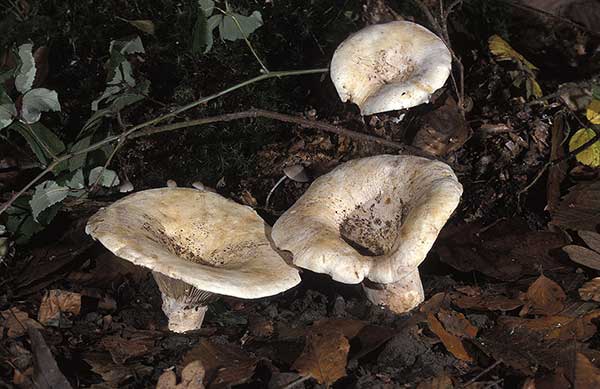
(370, 220)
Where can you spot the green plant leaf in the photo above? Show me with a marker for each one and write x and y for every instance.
(20, 221)
(26, 73)
(42, 141)
(46, 195)
(207, 6)
(127, 46)
(76, 181)
(591, 155)
(78, 161)
(8, 112)
(105, 177)
(37, 101)
(229, 29)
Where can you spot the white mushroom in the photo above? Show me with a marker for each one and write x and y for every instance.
(373, 218)
(197, 243)
(390, 66)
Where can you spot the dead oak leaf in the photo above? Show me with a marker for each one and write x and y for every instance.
(16, 322)
(443, 381)
(457, 324)
(192, 377)
(590, 290)
(544, 297)
(452, 342)
(225, 364)
(55, 303)
(324, 357)
(586, 374)
(485, 302)
(122, 349)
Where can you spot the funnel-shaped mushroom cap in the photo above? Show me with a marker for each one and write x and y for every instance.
(374, 217)
(199, 237)
(390, 66)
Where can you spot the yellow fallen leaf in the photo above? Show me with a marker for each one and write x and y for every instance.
(504, 52)
(589, 156)
(593, 112)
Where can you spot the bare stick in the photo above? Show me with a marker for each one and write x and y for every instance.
(152, 122)
(255, 113)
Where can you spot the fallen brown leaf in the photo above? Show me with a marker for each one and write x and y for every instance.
(507, 251)
(544, 297)
(555, 327)
(591, 238)
(16, 322)
(192, 377)
(583, 256)
(590, 290)
(55, 303)
(324, 357)
(587, 376)
(453, 343)
(115, 375)
(443, 381)
(443, 130)
(580, 208)
(457, 324)
(486, 302)
(122, 349)
(225, 364)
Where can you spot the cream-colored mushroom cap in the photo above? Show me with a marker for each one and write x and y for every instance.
(390, 66)
(372, 218)
(199, 237)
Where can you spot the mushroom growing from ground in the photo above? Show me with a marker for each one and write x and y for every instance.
(373, 218)
(198, 244)
(390, 66)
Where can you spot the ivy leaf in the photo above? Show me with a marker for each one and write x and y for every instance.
(37, 101)
(592, 112)
(26, 74)
(20, 222)
(42, 141)
(246, 25)
(105, 177)
(8, 112)
(46, 195)
(591, 155)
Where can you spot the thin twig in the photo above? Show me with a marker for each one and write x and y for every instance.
(441, 29)
(152, 122)
(484, 372)
(255, 113)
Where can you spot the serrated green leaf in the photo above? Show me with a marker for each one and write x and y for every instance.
(46, 195)
(26, 73)
(37, 101)
(104, 177)
(591, 155)
(234, 26)
(42, 141)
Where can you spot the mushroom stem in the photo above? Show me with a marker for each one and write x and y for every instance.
(183, 304)
(398, 297)
(182, 316)
(273, 190)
